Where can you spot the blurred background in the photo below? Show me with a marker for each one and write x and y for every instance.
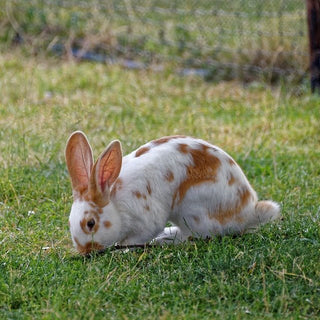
(215, 39)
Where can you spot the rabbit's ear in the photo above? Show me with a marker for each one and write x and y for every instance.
(107, 168)
(79, 161)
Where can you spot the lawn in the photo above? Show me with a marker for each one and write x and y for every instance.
(273, 133)
(229, 39)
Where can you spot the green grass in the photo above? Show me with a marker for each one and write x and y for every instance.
(273, 134)
(229, 38)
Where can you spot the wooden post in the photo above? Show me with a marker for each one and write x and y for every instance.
(313, 11)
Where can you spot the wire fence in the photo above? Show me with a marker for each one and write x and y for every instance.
(218, 39)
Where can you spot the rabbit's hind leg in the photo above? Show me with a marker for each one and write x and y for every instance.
(171, 235)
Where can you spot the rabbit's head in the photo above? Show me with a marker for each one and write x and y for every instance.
(94, 222)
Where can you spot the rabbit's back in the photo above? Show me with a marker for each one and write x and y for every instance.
(187, 181)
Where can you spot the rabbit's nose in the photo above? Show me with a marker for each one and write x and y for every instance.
(90, 224)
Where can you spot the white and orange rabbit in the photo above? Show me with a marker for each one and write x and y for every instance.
(192, 184)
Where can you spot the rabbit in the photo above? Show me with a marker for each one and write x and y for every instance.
(194, 185)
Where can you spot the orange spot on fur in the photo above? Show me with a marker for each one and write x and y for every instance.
(224, 215)
(204, 169)
(107, 224)
(137, 194)
(183, 148)
(166, 139)
(141, 151)
(231, 180)
(147, 208)
(116, 187)
(88, 247)
(169, 176)
(245, 195)
(149, 188)
(83, 225)
(161, 140)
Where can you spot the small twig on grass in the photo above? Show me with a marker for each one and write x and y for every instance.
(133, 246)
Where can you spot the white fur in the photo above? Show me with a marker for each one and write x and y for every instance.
(132, 223)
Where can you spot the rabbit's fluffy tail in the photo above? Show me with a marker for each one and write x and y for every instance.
(265, 211)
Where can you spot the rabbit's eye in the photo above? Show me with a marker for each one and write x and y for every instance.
(90, 224)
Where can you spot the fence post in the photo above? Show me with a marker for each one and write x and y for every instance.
(313, 12)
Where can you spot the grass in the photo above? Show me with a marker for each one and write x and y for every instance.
(234, 39)
(273, 133)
